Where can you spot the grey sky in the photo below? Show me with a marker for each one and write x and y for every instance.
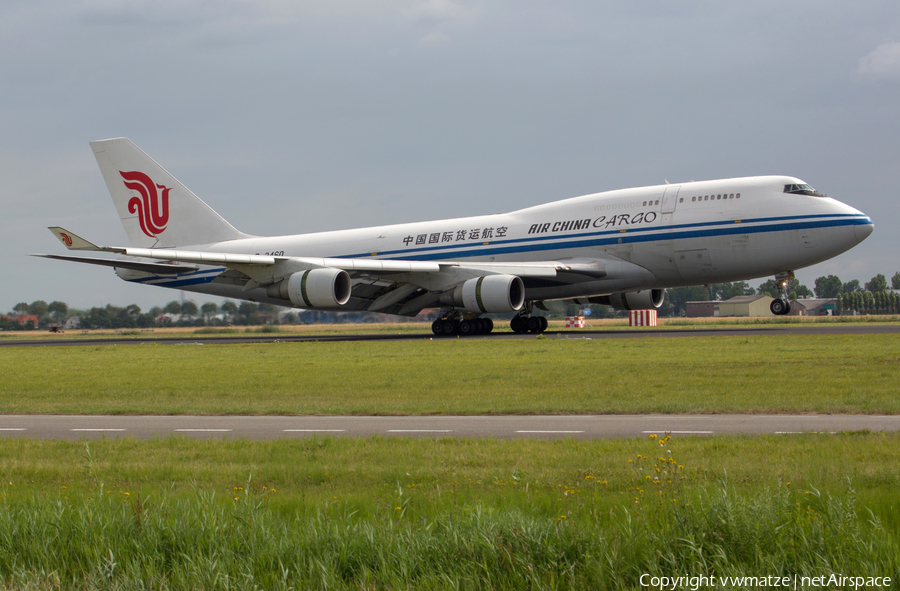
(289, 117)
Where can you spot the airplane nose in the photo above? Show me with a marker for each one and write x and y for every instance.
(862, 231)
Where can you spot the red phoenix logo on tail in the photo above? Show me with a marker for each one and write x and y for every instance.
(152, 207)
(67, 240)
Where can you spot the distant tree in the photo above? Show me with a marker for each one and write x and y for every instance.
(839, 304)
(21, 308)
(132, 310)
(828, 287)
(155, 311)
(38, 308)
(726, 291)
(770, 288)
(878, 283)
(895, 281)
(189, 308)
(229, 308)
(851, 286)
(173, 307)
(209, 309)
(58, 309)
(247, 308)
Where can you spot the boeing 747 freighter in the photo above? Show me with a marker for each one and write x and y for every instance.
(622, 248)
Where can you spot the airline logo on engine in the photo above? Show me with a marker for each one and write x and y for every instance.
(152, 207)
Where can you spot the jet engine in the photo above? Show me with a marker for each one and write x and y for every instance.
(315, 288)
(646, 299)
(491, 293)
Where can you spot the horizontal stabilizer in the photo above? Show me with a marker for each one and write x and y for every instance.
(71, 240)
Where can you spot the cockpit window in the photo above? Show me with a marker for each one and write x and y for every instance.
(803, 189)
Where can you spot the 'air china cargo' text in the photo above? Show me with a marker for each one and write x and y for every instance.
(615, 221)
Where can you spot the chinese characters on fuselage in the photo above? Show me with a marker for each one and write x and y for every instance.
(457, 236)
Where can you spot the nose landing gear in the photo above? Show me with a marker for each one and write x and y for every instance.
(782, 304)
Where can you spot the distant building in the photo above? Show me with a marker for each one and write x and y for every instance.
(701, 309)
(815, 307)
(746, 306)
(23, 319)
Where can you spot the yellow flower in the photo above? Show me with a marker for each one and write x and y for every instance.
(653, 436)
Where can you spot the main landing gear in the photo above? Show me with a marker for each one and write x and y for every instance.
(524, 322)
(452, 323)
(782, 304)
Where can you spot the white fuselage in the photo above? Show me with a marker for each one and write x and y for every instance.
(652, 237)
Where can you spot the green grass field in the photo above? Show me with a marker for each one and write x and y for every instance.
(386, 513)
(443, 514)
(762, 374)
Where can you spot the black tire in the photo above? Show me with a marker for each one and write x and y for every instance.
(779, 307)
(479, 325)
(467, 328)
(544, 323)
(517, 324)
(437, 327)
(534, 324)
(450, 327)
(488, 326)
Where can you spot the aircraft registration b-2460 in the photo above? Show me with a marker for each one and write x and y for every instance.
(622, 248)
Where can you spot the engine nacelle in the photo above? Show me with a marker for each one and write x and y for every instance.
(646, 299)
(316, 288)
(491, 293)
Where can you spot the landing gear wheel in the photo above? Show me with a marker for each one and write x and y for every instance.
(468, 327)
(519, 324)
(488, 326)
(780, 307)
(535, 325)
(437, 327)
(450, 327)
(544, 323)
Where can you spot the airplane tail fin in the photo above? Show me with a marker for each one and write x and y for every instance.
(156, 209)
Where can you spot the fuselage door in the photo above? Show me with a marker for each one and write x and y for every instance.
(670, 198)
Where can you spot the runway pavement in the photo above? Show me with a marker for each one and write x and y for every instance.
(75, 427)
(626, 333)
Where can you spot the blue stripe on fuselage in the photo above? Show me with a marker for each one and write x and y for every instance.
(603, 238)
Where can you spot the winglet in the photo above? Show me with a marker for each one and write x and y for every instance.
(72, 241)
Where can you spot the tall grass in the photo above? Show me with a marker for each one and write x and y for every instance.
(332, 513)
(169, 541)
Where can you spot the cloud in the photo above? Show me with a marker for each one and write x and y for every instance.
(882, 64)
(441, 10)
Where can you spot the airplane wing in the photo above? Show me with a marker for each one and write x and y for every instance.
(392, 286)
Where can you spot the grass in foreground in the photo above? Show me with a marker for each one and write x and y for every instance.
(444, 514)
(765, 374)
